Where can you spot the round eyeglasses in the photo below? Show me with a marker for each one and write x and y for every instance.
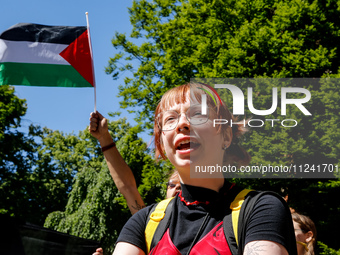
(168, 120)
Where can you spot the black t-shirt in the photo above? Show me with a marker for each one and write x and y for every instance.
(269, 220)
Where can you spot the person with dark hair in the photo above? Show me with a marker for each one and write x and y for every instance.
(186, 136)
(305, 234)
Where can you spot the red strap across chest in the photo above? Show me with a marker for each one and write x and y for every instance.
(213, 243)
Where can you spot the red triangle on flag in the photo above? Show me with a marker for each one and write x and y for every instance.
(79, 56)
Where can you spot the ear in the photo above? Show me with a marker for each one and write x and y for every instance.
(309, 236)
(227, 136)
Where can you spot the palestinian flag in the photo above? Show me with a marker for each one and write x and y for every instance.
(39, 55)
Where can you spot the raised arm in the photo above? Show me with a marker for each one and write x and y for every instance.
(119, 170)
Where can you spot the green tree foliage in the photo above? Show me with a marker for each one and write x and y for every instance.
(173, 41)
(37, 168)
(326, 250)
(95, 209)
(45, 171)
(59, 157)
(16, 155)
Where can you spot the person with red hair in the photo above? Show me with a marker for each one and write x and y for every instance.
(186, 136)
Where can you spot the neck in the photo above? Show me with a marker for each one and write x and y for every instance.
(209, 183)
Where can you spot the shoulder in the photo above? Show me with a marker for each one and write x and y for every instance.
(141, 217)
(271, 203)
(271, 209)
(271, 220)
(134, 228)
(133, 231)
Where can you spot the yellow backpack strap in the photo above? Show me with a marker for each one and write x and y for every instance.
(235, 206)
(156, 216)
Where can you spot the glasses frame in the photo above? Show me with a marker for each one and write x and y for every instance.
(159, 123)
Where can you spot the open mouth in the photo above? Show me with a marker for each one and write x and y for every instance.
(187, 145)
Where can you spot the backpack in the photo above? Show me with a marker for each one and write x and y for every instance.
(233, 224)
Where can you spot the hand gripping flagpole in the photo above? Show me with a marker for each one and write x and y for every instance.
(90, 45)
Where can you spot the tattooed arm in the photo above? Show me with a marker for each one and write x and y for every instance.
(264, 248)
(119, 170)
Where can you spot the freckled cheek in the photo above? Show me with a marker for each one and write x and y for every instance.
(166, 140)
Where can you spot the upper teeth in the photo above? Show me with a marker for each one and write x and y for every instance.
(184, 142)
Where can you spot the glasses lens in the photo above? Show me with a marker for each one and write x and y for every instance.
(195, 115)
(171, 184)
(168, 119)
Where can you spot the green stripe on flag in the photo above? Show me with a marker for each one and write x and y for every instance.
(47, 75)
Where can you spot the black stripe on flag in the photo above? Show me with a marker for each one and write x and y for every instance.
(41, 33)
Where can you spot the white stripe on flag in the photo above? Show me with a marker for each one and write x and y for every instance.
(31, 52)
